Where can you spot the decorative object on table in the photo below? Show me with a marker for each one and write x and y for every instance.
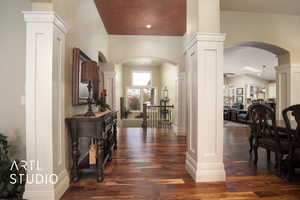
(101, 102)
(239, 99)
(92, 153)
(239, 91)
(8, 189)
(89, 74)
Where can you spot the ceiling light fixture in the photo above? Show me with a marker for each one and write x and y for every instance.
(148, 26)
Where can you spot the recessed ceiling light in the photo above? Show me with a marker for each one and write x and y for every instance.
(148, 26)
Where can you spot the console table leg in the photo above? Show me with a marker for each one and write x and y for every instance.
(75, 155)
(100, 159)
(115, 137)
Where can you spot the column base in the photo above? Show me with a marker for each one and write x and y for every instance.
(205, 171)
(48, 192)
(179, 130)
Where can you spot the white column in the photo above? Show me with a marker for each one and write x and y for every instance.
(181, 104)
(282, 89)
(295, 82)
(204, 47)
(110, 86)
(45, 126)
(287, 86)
(204, 159)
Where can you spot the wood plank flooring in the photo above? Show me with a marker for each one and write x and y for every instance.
(151, 166)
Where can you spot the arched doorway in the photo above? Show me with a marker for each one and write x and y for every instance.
(142, 80)
(262, 61)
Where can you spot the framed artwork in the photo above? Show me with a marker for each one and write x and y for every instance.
(239, 99)
(248, 100)
(251, 91)
(239, 91)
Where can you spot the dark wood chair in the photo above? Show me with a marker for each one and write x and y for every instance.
(266, 134)
(252, 131)
(290, 114)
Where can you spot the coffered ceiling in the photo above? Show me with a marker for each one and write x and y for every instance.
(131, 17)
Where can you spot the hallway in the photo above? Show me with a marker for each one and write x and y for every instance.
(151, 166)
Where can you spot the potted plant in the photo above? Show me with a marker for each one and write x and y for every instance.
(12, 174)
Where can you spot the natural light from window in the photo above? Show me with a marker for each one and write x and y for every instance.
(141, 78)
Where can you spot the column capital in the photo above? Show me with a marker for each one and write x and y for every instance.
(109, 74)
(192, 39)
(180, 75)
(45, 17)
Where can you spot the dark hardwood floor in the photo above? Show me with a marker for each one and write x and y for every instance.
(151, 165)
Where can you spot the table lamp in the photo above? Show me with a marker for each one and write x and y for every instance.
(88, 75)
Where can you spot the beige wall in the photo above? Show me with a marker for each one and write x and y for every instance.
(87, 32)
(127, 47)
(12, 73)
(242, 80)
(280, 30)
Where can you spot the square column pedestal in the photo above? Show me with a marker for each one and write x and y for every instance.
(179, 126)
(47, 177)
(204, 68)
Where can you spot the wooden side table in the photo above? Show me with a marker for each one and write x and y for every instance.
(103, 128)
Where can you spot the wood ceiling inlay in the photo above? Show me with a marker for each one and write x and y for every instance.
(130, 17)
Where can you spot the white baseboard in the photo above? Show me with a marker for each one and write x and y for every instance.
(48, 192)
(205, 172)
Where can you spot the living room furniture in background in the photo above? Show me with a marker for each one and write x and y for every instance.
(103, 129)
(239, 99)
(239, 91)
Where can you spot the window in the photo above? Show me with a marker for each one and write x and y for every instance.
(141, 78)
(136, 97)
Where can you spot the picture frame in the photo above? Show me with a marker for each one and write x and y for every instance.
(239, 91)
(239, 99)
(79, 90)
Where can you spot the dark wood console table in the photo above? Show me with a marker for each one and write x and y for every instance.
(103, 128)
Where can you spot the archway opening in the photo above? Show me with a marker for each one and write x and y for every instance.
(144, 80)
(250, 74)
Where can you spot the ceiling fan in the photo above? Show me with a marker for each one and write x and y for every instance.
(259, 72)
(228, 74)
(262, 70)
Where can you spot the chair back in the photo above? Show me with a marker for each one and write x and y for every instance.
(263, 121)
(292, 114)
